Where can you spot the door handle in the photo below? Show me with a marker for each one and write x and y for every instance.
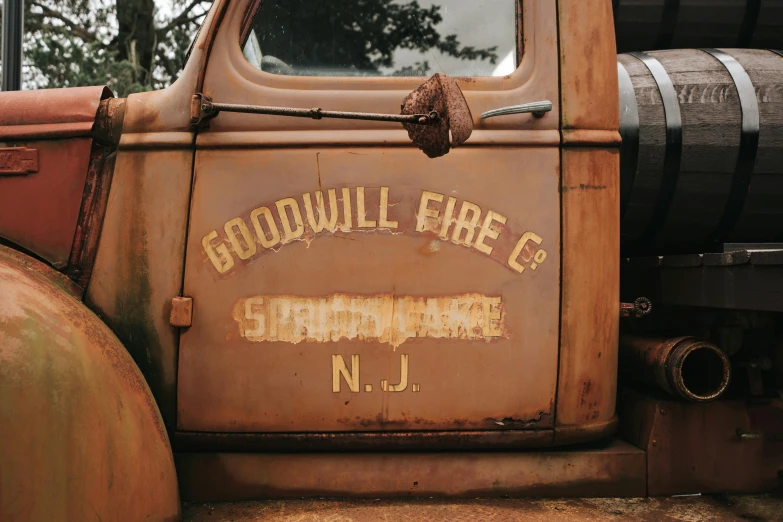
(538, 109)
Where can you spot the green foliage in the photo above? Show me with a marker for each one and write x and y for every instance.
(71, 43)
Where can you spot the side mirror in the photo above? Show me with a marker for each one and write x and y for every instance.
(453, 124)
(435, 115)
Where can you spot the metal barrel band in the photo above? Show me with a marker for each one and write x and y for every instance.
(629, 132)
(673, 153)
(671, 12)
(749, 142)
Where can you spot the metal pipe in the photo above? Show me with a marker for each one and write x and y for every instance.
(684, 367)
(13, 30)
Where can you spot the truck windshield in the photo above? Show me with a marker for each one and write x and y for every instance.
(383, 37)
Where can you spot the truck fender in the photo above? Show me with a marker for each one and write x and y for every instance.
(81, 437)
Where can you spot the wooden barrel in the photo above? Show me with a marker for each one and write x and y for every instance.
(680, 24)
(702, 156)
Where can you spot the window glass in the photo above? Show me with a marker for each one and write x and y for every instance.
(383, 37)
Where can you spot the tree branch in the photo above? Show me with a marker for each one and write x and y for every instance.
(183, 17)
(76, 29)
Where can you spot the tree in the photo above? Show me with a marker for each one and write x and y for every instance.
(361, 36)
(126, 44)
(134, 45)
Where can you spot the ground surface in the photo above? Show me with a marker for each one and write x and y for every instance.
(683, 509)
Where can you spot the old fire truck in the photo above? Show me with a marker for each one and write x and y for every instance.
(311, 267)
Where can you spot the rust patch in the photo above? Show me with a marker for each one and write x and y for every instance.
(439, 94)
(386, 318)
(512, 423)
(93, 210)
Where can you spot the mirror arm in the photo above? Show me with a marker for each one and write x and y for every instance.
(202, 109)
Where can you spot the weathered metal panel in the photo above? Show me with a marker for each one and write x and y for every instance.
(39, 207)
(50, 113)
(588, 69)
(138, 268)
(367, 441)
(590, 292)
(371, 289)
(39, 211)
(82, 438)
(617, 469)
(715, 447)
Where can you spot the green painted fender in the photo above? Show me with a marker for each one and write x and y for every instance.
(81, 437)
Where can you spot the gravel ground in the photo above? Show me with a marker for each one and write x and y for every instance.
(683, 509)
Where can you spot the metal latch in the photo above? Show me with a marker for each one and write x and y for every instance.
(181, 312)
(18, 160)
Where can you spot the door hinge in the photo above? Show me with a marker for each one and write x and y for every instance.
(181, 312)
(18, 160)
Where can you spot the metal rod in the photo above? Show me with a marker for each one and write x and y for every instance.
(316, 114)
(537, 108)
(13, 27)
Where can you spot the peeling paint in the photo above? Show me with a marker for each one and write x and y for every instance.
(382, 317)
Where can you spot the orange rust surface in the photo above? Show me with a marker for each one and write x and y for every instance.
(590, 291)
(138, 268)
(615, 468)
(395, 247)
(39, 211)
(93, 210)
(588, 69)
(50, 113)
(81, 435)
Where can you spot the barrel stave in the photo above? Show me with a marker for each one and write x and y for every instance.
(652, 145)
(762, 216)
(711, 121)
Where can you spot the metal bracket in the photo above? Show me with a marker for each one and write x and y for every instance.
(18, 160)
(639, 308)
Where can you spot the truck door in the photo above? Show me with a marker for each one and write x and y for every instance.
(342, 280)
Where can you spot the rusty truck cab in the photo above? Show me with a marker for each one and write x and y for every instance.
(344, 283)
(289, 284)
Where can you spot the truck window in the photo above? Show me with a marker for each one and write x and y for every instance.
(383, 37)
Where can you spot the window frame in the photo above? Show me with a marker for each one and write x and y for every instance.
(250, 15)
